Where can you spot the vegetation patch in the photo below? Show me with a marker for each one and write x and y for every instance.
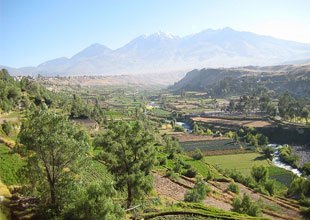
(10, 165)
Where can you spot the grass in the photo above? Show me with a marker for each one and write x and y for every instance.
(10, 163)
(241, 162)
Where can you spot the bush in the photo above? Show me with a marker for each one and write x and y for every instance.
(268, 152)
(286, 156)
(260, 173)
(187, 166)
(178, 128)
(198, 193)
(198, 155)
(191, 173)
(177, 167)
(270, 187)
(245, 206)
(306, 169)
(162, 161)
(209, 176)
(172, 175)
(233, 187)
(7, 128)
(305, 212)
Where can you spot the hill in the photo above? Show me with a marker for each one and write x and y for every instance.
(246, 80)
(162, 53)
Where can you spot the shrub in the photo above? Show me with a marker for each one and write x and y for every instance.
(178, 128)
(209, 176)
(7, 128)
(306, 169)
(245, 206)
(198, 193)
(268, 152)
(191, 173)
(260, 173)
(187, 166)
(177, 167)
(171, 175)
(305, 212)
(233, 187)
(198, 155)
(162, 161)
(270, 187)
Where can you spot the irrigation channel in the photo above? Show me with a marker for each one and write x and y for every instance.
(276, 160)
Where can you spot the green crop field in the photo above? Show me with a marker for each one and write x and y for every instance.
(241, 162)
(10, 163)
(94, 171)
(225, 144)
(160, 112)
(281, 175)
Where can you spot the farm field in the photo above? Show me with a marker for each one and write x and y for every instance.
(217, 146)
(245, 123)
(240, 162)
(192, 137)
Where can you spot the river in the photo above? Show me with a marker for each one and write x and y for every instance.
(277, 162)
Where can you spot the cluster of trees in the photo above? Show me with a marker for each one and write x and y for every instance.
(259, 179)
(290, 108)
(24, 93)
(287, 156)
(10, 92)
(55, 152)
(250, 136)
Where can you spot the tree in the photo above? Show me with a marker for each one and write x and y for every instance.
(129, 153)
(94, 203)
(260, 173)
(305, 113)
(268, 152)
(198, 193)
(54, 147)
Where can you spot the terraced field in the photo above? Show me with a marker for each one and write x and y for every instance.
(226, 144)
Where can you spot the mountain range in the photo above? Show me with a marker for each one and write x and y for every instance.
(167, 53)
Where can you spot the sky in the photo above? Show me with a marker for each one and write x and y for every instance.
(34, 31)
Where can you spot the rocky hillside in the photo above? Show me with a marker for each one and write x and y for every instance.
(249, 79)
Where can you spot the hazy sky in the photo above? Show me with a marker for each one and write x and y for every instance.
(34, 31)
